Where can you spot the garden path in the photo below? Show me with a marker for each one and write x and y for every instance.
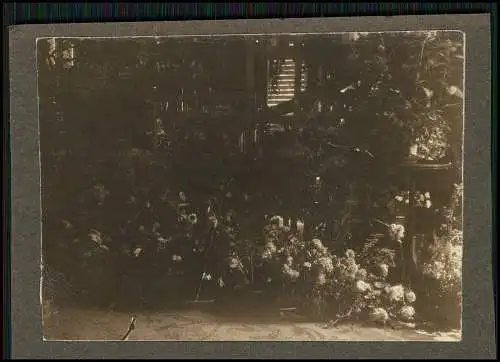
(195, 325)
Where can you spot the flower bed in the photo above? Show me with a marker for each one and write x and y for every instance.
(303, 273)
(200, 253)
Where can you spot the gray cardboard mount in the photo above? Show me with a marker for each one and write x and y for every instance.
(478, 313)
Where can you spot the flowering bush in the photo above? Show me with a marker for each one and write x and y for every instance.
(360, 285)
(445, 263)
(443, 268)
(397, 232)
(204, 244)
(443, 272)
(347, 285)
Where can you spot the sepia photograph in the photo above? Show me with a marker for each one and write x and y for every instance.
(252, 187)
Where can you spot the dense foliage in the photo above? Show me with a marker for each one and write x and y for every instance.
(147, 186)
(443, 269)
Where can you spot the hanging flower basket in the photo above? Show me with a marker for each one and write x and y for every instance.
(430, 147)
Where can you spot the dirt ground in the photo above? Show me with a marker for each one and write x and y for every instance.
(197, 325)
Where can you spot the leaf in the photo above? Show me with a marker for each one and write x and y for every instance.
(137, 252)
(429, 93)
(95, 236)
(455, 91)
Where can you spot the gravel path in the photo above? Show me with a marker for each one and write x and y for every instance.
(193, 325)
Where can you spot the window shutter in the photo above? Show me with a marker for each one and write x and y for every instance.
(285, 87)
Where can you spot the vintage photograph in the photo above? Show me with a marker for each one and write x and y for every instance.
(252, 187)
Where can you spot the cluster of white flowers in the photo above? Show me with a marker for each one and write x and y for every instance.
(273, 233)
(379, 315)
(362, 286)
(397, 232)
(321, 278)
(349, 253)
(410, 297)
(234, 263)
(396, 293)
(290, 273)
(407, 313)
(317, 249)
(351, 268)
(331, 274)
(266, 255)
(421, 199)
(438, 269)
(432, 146)
(361, 274)
(269, 251)
(278, 220)
(326, 264)
(398, 297)
(271, 247)
(317, 244)
(176, 258)
(384, 270)
(403, 196)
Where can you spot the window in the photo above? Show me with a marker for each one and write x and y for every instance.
(285, 87)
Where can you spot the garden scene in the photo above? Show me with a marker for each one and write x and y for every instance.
(252, 187)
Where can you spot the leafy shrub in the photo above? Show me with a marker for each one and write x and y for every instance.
(443, 273)
(328, 285)
(445, 263)
(443, 269)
